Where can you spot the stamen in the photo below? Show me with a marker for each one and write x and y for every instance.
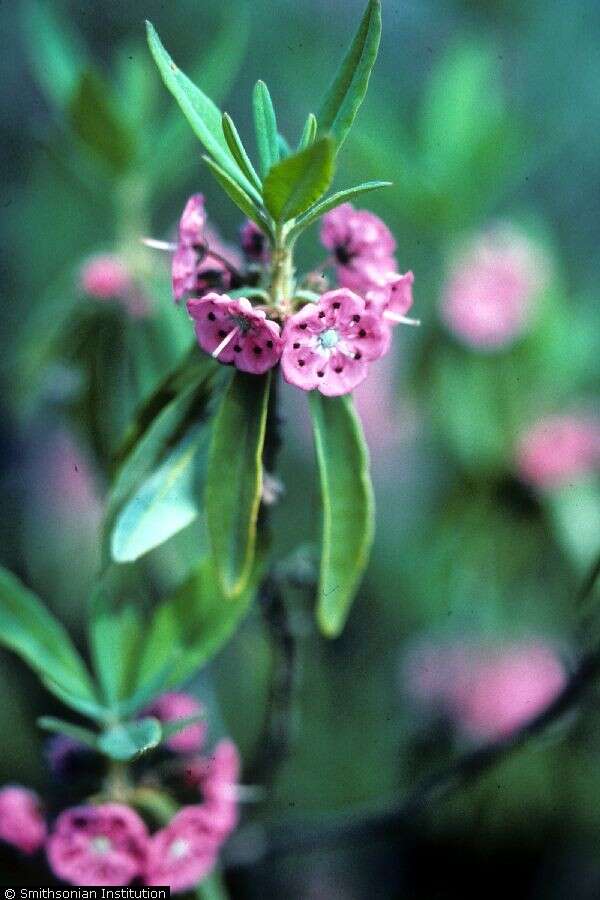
(396, 317)
(159, 245)
(226, 340)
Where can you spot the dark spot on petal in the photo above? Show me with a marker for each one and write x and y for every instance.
(337, 304)
(269, 344)
(237, 348)
(339, 369)
(301, 363)
(296, 345)
(320, 374)
(211, 316)
(221, 333)
(362, 333)
(303, 326)
(342, 255)
(358, 355)
(321, 315)
(356, 318)
(257, 350)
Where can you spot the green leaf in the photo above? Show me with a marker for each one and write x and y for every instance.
(347, 500)
(99, 124)
(200, 111)
(295, 183)
(154, 685)
(345, 196)
(194, 623)
(345, 95)
(58, 58)
(234, 478)
(284, 147)
(75, 732)
(170, 729)
(241, 199)
(238, 151)
(92, 709)
(127, 741)
(309, 132)
(265, 125)
(165, 503)
(173, 412)
(30, 630)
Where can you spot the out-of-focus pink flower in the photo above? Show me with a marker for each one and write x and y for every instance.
(69, 477)
(488, 691)
(102, 845)
(362, 246)
(184, 852)
(254, 242)
(490, 298)
(219, 788)
(21, 821)
(176, 705)
(559, 449)
(192, 222)
(105, 277)
(233, 331)
(328, 345)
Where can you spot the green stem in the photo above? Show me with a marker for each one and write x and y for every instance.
(212, 888)
(282, 270)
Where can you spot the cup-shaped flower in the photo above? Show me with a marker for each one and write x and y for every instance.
(328, 345)
(492, 292)
(184, 852)
(102, 845)
(392, 298)
(178, 705)
(193, 222)
(559, 449)
(236, 333)
(21, 822)
(254, 242)
(362, 246)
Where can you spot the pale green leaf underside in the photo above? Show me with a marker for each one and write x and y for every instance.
(347, 500)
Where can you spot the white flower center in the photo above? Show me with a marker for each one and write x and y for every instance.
(100, 845)
(329, 339)
(179, 848)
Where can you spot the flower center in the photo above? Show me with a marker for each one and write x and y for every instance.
(241, 322)
(179, 848)
(329, 339)
(100, 845)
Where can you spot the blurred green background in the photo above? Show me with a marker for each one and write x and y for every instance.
(479, 112)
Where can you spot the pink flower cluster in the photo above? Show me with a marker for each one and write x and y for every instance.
(491, 295)
(559, 449)
(106, 277)
(487, 691)
(326, 345)
(108, 843)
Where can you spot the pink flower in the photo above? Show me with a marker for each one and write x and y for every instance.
(194, 269)
(99, 845)
(393, 298)
(489, 692)
(328, 345)
(177, 705)
(491, 295)
(233, 331)
(219, 788)
(254, 242)
(184, 852)
(362, 246)
(21, 822)
(558, 449)
(105, 277)
(508, 690)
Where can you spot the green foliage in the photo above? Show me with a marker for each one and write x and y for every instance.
(234, 479)
(309, 132)
(347, 502)
(97, 122)
(294, 184)
(234, 142)
(126, 741)
(241, 199)
(347, 91)
(265, 126)
(346, 196)
(75, 732)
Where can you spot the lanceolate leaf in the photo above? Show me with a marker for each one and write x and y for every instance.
(265, 125)
(75, 732)
(170, 729)
(200, 111)
(345, 196)
(234, 478)
(188, 629)
(125, 742)
(238, 151)
(309, 132)
(347, 500)
(295, 183)
(165, 503)
(241, 199)
(98, 123)
(30, 630)
(344, 97)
